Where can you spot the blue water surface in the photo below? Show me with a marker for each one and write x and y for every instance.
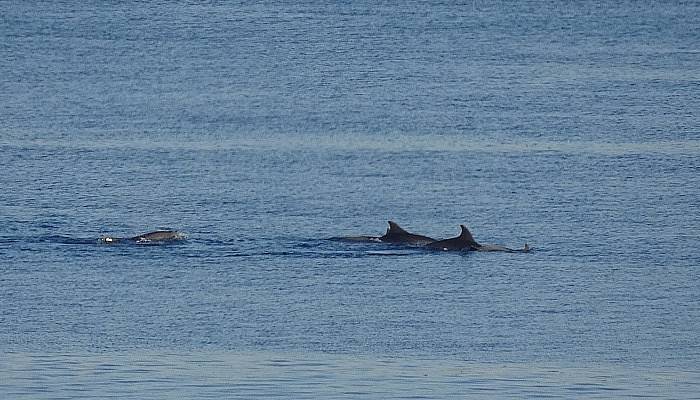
(263, 130)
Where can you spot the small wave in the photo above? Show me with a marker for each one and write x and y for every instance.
(360, 142)
(76, 240)
(56, 239)
(390, 253)
(356, 239)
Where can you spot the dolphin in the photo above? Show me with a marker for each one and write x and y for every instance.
(150, 237)
(159, 236)
(394, 234)
(465, 242)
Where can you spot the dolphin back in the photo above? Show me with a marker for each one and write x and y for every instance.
(159, 236)
(396, 234)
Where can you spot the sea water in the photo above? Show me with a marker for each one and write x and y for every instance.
(263, 130)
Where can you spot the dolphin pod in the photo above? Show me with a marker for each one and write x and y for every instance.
(394, 235)
(464, 242)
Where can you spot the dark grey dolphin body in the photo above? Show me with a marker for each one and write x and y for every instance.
(150, 237)
(394, 234)
(159, 236)
(465, 242)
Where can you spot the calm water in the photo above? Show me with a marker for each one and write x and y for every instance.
(264, 130)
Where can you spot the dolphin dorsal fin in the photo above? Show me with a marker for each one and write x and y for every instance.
(467, 236)
(395, 229)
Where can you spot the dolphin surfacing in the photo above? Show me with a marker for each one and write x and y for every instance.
(395, 235)
(465, 242)
(159, 236)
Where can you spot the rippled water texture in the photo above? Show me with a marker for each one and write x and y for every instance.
(303, 376)
(263, 130)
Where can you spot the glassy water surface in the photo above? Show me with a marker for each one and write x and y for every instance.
(264, 130)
